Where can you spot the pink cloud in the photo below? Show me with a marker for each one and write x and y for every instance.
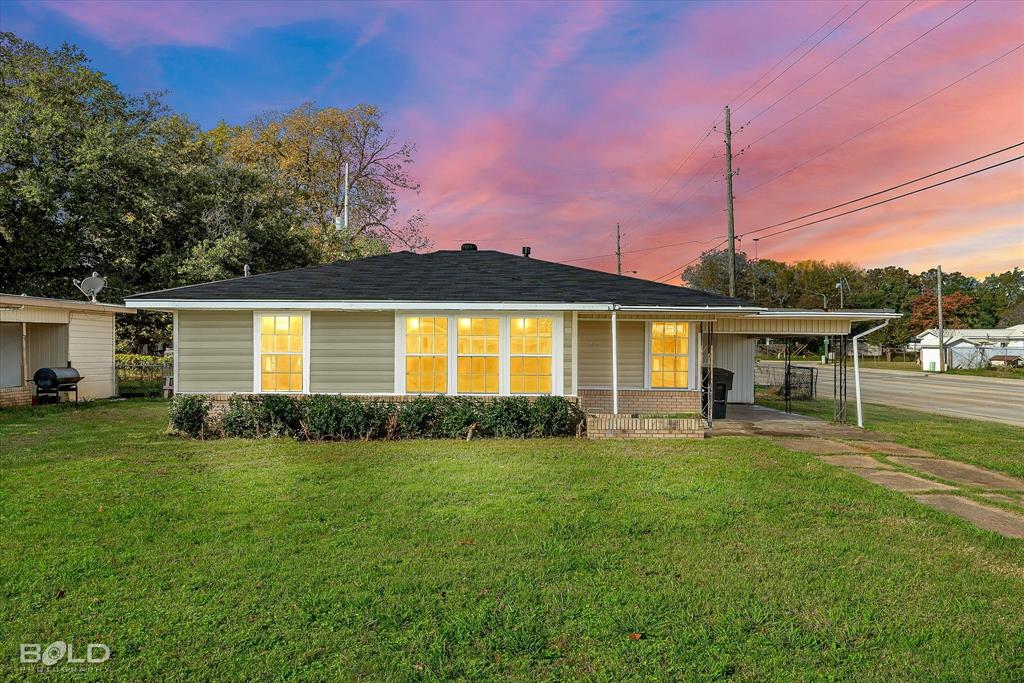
(545, 124)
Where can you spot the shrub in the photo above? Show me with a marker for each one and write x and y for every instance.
(189, 413)
(416, 418)
(555, 416)
(242, 417)
(266, 415)
(506, 416)
(326, 417)
(456, 414)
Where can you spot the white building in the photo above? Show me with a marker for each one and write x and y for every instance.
(969, 348)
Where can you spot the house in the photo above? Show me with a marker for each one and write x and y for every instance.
(40, 333)
(969, 348)
(471, 322)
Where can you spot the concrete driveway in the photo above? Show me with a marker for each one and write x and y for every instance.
(979, 398)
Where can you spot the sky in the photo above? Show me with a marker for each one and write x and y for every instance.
(545, 124)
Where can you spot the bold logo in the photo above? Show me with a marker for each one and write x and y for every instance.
(59, 652)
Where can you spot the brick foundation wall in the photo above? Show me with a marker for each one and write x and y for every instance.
(629, 427)
(640, 401)
(15, 396)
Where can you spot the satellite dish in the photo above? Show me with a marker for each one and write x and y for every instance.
(91, 286)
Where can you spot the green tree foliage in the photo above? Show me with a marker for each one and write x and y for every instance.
(306, 150)
(92, 179)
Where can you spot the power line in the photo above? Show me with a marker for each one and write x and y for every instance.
(672, 272)
(787, 56)
(855, 78)
(888, 189)
(840, 56)
(828, 218)
(806, 52)
(638, 251)
(892, 199)
(885, 120)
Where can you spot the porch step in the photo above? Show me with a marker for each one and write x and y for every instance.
(608, 426)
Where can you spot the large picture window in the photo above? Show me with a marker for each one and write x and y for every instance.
(281, 353)
(530, 355)
(478, 362)
(670, 343)
(426, 355)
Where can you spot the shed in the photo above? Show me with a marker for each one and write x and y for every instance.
(37, 332)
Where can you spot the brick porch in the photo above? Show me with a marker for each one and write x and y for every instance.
(640, 401)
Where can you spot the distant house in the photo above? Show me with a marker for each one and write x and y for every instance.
(472, 322)
(969, 348)
(43, 333)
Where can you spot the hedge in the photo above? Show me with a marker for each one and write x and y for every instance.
(323, 417)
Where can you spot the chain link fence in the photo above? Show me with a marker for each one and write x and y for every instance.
(802, 384)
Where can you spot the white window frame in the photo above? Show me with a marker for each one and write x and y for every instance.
(504, 345)
(257, 344)
(691, 357)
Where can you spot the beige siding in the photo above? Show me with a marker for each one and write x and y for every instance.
(215, 353)
(91, 352)
(35, 314)
(567, 388)
(782, 326)
(352, 353)
(47, 346)
(595, 352)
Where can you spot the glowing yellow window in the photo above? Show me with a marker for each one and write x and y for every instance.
(478, 363)
(281, 353)
(530, 355)
(426, 355)
(670, 343)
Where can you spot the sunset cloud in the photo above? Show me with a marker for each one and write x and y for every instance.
(546, 124)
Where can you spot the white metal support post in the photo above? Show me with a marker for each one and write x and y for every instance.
(615, 363)
(856, 369)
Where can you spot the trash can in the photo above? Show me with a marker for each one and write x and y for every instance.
(723, 384)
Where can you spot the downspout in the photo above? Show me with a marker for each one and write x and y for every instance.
(856, 369)
(615, 360)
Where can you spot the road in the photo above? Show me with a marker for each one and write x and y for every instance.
(979, 398)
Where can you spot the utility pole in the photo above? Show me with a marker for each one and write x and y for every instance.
(942, 338)
(729, 198)
(618, 248)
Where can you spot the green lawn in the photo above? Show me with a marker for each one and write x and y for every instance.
(1001, 372)
(525, 560)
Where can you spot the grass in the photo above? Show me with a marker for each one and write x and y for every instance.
(1002, 372)
(541, 560)
(986, 444)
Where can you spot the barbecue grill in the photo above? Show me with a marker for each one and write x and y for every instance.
(50, 382)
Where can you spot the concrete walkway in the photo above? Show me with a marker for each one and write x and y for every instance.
(936, 482)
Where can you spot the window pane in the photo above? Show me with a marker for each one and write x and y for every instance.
(530, 348)
(669, 354)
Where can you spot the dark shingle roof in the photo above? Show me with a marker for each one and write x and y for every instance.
(447, 276)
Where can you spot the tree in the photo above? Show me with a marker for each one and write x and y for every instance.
(958, 311)
(91, 179)
(73, 147)
(307, 149)
(997, 294)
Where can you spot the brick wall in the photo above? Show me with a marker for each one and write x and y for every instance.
(640, 401)
(15, 396)
(629, 427)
